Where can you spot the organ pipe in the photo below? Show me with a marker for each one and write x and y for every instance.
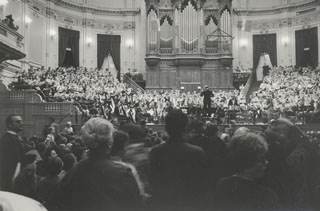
(189, 28)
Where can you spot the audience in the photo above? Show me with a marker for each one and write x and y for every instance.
(189, 166)
(97, 183)
(284, 92)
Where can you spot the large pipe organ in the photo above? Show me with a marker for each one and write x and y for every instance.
(189, 44)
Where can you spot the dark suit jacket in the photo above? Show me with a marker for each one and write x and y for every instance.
(177, 176)
(207, 94)
(10, 154)
(232, 102)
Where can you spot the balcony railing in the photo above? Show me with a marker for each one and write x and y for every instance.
(10, 36)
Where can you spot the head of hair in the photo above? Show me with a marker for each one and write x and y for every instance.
(55, 166)
(245, 150)
(68, 160)
(289, 134)
(97, 133)
(9, 120)
(120, 139)
(211, 129)
(241, 131)
(48, 151)
(176, 123)
(77, 150)
(197, 126)
(51, 129)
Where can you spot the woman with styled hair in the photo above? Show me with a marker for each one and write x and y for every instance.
(241, 191)
(98, 183)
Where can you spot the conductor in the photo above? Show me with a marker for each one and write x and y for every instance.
(207, 94)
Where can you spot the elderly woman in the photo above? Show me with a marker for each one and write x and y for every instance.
(247, 154)
(98, 183)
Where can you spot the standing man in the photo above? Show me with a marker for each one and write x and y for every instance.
(11, 152)
(233, 107)
(177, 169)
(207, 94)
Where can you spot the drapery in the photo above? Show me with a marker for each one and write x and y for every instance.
(109, 64)
(264, 43)
(264, 61)
(109, 44)
(307, 47)
(68, 39)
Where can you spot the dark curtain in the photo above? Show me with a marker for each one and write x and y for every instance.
(109, 44)
(68, 39)
(307, 47)
(68, 59)
(264, 43)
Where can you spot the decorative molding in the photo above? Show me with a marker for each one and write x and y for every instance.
(277, 10)
(96, 11)
(304, 21)
(70, 20)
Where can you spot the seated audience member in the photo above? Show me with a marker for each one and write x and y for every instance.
(48, 187)
(50, 123)
(241, 191)
(69, 159)
(42, 165)
(68, 130)
(98, 183)
(177, 169)
(25, 182)
(50, 142)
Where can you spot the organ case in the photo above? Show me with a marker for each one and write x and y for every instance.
(189, 44)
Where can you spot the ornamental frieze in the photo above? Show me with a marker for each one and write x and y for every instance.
(265, 25)
(277, 10)
(70, 20)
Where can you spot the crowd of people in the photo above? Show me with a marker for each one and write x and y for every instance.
(185, 167)
(284, 92)
(289, 92)
(97, 91)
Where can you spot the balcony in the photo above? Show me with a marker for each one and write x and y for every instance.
(10, 43)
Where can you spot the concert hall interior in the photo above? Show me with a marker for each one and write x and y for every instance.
(161, 105)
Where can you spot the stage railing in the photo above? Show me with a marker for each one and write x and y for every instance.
(136, 88)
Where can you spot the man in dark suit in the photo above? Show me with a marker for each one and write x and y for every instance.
(206, 94)
(177, 169)
(10, 152)
(233, 106)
